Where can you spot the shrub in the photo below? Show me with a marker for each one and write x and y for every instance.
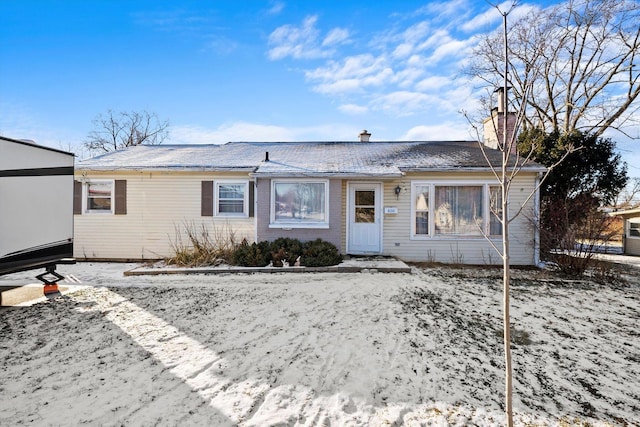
(285, 249)
(251, 255)
(319, 253)
(202, 246)
(572, 231)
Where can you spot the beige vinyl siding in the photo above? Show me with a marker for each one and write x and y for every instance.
(631, 243)
(453, 249)
(158, 205)
(632, 246)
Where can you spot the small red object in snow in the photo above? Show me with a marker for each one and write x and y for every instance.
(51, 288)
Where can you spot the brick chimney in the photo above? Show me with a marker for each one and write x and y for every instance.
(494, 125)
(364, 136)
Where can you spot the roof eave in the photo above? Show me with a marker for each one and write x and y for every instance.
(165, 169)
(532, 169)
(326, 175)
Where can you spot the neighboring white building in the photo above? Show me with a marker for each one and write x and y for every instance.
(36, 195)
(418, 201)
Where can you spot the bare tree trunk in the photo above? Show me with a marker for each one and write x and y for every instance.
(506, 280)
(508, 142)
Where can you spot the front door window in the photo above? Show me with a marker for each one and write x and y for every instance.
(365, 206)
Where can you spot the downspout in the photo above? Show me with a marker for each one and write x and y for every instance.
(255, 209)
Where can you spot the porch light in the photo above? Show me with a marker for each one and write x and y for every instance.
(397, 191)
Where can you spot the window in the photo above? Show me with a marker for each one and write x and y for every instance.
(99, 197)
(231, 198)
(495, 211)
(299, 203)
(421, 206)
(458, 210)
(634, 229)
(365, 206)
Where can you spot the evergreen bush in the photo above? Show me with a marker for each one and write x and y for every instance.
(316, 253)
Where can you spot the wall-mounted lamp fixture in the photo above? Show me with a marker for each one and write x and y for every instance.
(397, 191)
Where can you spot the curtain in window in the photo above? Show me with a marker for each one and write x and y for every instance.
(458, 210)
(99, 196)
(422, 209)
(231, 198)
(495, 211)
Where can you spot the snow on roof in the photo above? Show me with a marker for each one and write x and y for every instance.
(302, 158)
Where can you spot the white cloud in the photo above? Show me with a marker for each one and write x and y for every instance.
(434, 83)
(452, 48)
(442, 132)
(335, 37)
(276, 8)
(407, 77)
(304, 42)
(409, 67)
(436, 39)
(493, 16)
(236, 131)
(353, 109)
(246, 131)
(489, 17)
(351, 75)
(403, 103)
(442, 9)
(403, 50)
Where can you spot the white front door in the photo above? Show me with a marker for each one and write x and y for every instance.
(365, 218)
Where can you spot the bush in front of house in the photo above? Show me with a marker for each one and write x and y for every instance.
(316, 253)
(252, 255)
(202, 245)
(319, 253)
(286, 249)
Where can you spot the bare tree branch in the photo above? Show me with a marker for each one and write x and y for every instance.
(581, 59)
(113, 132)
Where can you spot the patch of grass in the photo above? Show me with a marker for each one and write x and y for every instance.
(518, 336)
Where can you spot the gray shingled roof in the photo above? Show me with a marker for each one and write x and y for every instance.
(382, 159)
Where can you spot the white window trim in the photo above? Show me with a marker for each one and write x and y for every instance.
(245, 204)
(488, 208)
(414, 193)
(432, 184)
(291, 224)
(629, 222)
(85, 196)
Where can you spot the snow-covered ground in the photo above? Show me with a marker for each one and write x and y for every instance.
(318, 349)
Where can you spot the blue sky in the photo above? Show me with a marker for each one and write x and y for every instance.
(243, 70)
